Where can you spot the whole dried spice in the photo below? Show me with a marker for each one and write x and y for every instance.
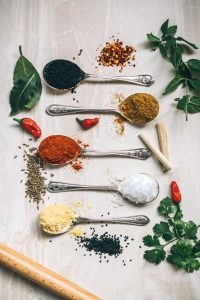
(58, 149)
(140, 108)
(115, 54)
(35, 182)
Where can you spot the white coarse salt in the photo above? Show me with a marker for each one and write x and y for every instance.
(139, 188)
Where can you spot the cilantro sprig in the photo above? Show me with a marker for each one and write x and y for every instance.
(186, 73)
(185, 250)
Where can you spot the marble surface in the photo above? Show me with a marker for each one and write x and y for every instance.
(59, 29)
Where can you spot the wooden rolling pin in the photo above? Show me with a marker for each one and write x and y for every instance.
(42, 276)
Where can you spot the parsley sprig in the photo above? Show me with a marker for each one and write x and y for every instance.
(186, 72)
(185, 250)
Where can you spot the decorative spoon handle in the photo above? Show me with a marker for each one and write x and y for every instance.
(139, 220)
(139, 153)
(60, 110)
(144, 80)
(56, 187)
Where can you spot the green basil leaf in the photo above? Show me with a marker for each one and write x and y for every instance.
(194, 64)
(189, 104)
(170, 43)
(174, 83)
(23, 67)
(184, 71)
(27, 87)
(26, 90)
(171, 31)
(163, 50)
(176, 57)
(152, 38)
(190, 44)
(194, 83)
(164, 27)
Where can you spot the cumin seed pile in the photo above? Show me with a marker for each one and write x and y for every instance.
(35, 181)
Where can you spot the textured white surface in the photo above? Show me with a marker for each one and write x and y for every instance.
(53, 29)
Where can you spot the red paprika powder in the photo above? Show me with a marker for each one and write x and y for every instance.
(58, 149)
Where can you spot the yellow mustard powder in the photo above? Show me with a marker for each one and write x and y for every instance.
(56, 217)
(77, 232)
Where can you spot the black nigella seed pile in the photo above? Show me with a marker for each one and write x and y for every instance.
(103, 245)
(63, 74)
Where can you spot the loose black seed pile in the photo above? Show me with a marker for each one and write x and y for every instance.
(63, 74)
(104, 245)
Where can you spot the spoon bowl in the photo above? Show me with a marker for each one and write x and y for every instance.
(61, 74)
(138, 188)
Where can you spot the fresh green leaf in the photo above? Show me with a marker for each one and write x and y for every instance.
(179, 214)
(190, 230)
(194, 83)
(189, 104)
(194, 64)
(170, 43)
(183, 248)
(163, 50)
(190, 44)
(176, 58)
(27, 87)
(25, 91)
(184, 71)
(196, 249)
(155, 256)
(174, 83)
(164, 27)
(180, 227)
(152, 38)
(151, 241)
(163, 230)
(23, 67)
(171, 31)
(167, 208)
(189, 264)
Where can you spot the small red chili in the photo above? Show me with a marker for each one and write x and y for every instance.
(175, 192)
(87, 123)
(30, 125)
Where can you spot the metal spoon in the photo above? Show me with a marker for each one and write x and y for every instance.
(138, 153)
(56, 187)
(75, 75)
(139, 220)
(59, 110)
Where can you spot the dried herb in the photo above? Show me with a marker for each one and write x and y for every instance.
(185, 251)
(27, 87)
(172, 48)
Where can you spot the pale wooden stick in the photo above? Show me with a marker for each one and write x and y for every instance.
(163, 140)
(155, 151)
(44, 277)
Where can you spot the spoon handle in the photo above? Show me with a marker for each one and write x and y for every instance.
(144, 80)
(60, 110)
(56, 187)
(140, 153)
(139, 220)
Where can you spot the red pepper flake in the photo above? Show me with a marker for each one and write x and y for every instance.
(115, 54)
(82, 144)
(77, 165)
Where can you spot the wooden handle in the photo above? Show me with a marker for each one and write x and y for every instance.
(163, 140)
(155, 151)
(42, 276)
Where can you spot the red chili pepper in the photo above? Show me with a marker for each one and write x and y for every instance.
(30, 125)
(175, 192)
(88, 123)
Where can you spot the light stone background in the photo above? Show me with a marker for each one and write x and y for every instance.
(58, 29)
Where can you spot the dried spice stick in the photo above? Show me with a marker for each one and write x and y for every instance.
(163, 140)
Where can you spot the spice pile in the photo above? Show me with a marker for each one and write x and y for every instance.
(35, 181)
(115, 54)
(104, 245)
(140, 108)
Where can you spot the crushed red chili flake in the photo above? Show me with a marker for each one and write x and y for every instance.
(115, 54)
(77, 165)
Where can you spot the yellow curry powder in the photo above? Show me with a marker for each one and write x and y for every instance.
(140, 108)
(56, 217)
